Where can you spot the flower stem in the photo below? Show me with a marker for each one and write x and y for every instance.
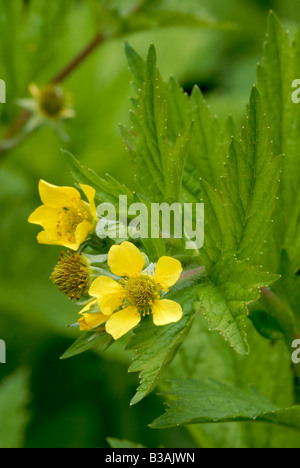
(98, 40)
(281, 313)
(191, 274)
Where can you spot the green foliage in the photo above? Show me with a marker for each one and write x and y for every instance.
(237, 223)
(173, 115)
(237, 214)
(121, 17)
(266, 368)
(31, 35)
(87, 341)
(14, 397)
(118, 444)
(107, 190)
(211, 401)
(273, 318)
(224, 296)
(174, 140)
(275, 78)
(238, 217)
(159, 161)
(156, 347)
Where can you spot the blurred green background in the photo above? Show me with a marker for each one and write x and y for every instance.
(45, 402)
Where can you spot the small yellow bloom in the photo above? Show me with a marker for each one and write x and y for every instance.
(90, 321)
(125, 302)
(52, 102)
(67, 220)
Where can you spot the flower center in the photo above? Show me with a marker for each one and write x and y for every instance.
(71, 275)
(52, 101)
(69, 217)
(141, 292)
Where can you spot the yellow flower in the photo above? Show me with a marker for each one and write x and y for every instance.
(52, 102)
(90, 321)
(67, 220)
(125, 302)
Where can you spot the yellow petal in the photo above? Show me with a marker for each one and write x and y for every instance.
(167, 272)
(125, 260)
(122, 322)
(88, 306)
(165, 312)
(90, 193)
(43, 238)
(67, 114)
(109, 294)
(91, 321)
(34, 90)
(82, 232)
(47, 218)
(57, 197)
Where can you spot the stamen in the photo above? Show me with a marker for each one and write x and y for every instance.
(142, 292)
(70, 217)
(72, 275)
(52, 101)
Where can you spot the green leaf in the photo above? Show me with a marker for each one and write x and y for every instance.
(237, 222)
(238, 217)
(14, 397)
(136, 64)
(275, 78)
(209, 144)
(198, 402)
(87, 341)
(155, 347)
(273, 317)
(275, 81)
(164, 14)
(265, 323)
(122, 17)
(118, 444)
(288, 291)
(38, 22)
(224, 296)
(107, 190)
(159, 160)
(266, 368)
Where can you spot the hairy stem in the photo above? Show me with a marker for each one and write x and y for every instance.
(192, 274)
(281, 313)
(286, 321)
(98, 40)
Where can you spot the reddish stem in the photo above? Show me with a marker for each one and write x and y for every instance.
(79, 59)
